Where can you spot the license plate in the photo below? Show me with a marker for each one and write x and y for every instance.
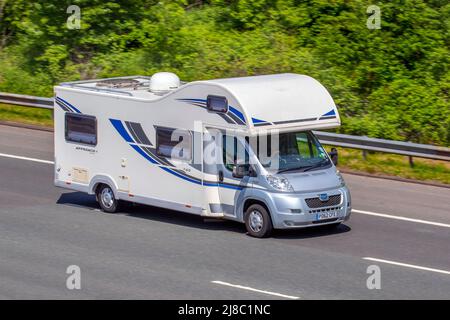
(326, 215)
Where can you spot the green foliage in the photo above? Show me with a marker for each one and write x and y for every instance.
(389, 83)
(41, 117)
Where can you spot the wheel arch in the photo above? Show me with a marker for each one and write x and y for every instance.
(103, 179)
(254, 200)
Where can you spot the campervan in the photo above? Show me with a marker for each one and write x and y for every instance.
(239, 148)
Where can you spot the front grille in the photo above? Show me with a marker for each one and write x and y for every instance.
(317, 203)
(319, 210)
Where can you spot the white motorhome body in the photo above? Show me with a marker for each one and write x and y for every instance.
(114, 132)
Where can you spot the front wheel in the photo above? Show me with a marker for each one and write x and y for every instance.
(258, 222)
(106, 199)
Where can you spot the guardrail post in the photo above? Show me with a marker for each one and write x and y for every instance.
(364, 155)
(411, 162)
(364, 152)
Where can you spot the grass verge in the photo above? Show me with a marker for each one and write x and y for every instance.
(27, 115)
(394, 165)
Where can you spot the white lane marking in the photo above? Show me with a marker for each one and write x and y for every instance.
(25, 158)
(407, 265)
(382, 215)
(255, 290)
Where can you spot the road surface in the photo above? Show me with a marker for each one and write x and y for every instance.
(151, 253)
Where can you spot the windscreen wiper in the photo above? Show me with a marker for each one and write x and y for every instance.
(291, 169)
(305, 168)
(317, 165)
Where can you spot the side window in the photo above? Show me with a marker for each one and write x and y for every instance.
(174, 143)
(306, 146)
(217, 104)
(233, 152)
(81, 128)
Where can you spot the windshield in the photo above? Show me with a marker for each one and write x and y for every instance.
(297, 151)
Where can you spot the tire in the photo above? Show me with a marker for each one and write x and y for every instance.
(258, 222)
(106, 199)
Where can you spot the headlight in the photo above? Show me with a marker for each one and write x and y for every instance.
(279, 183)
(341, 179)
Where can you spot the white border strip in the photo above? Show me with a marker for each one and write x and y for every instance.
(407, 265)
(382, 215)
(255, 290)
(25, 158)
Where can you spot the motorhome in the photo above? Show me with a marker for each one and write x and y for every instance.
(166, 143)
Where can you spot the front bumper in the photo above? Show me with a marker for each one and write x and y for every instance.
(290, 210)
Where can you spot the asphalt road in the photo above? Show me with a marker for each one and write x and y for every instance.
(152, 253)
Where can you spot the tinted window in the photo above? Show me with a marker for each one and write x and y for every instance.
(217, 104)
(306, 146)
(296, 151)
(81, 128)
(233, 152)
(173, 143)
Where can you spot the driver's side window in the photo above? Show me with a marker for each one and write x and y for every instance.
(233, 152)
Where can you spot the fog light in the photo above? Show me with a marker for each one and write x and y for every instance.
(296, 210)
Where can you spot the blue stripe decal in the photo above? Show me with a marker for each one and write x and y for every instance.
(254, 120)
(237, 113)
(230, 187)
(58, 101)
(142, 153)
(62, 106)
(146, 156)
(68, 104)
(222, 185)
(329, 113)
(233, 110)
(121, 129)
(181, 176)
(193, 100)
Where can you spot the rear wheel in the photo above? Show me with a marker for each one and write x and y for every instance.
(258, 222)
(106, 199)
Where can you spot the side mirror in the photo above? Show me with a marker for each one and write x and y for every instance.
(243, 170)
(240, 171)
(334, 156)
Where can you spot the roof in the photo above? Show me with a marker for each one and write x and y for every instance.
(282, 100)
(133, 86)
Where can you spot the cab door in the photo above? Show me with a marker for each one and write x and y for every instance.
(232, 151)
(221, 153)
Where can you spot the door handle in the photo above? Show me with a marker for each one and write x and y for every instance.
(220, 175)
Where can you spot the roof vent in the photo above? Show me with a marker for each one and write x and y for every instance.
(118, 83)
(162, 82)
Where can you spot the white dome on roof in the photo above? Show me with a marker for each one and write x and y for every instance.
(164, 81)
